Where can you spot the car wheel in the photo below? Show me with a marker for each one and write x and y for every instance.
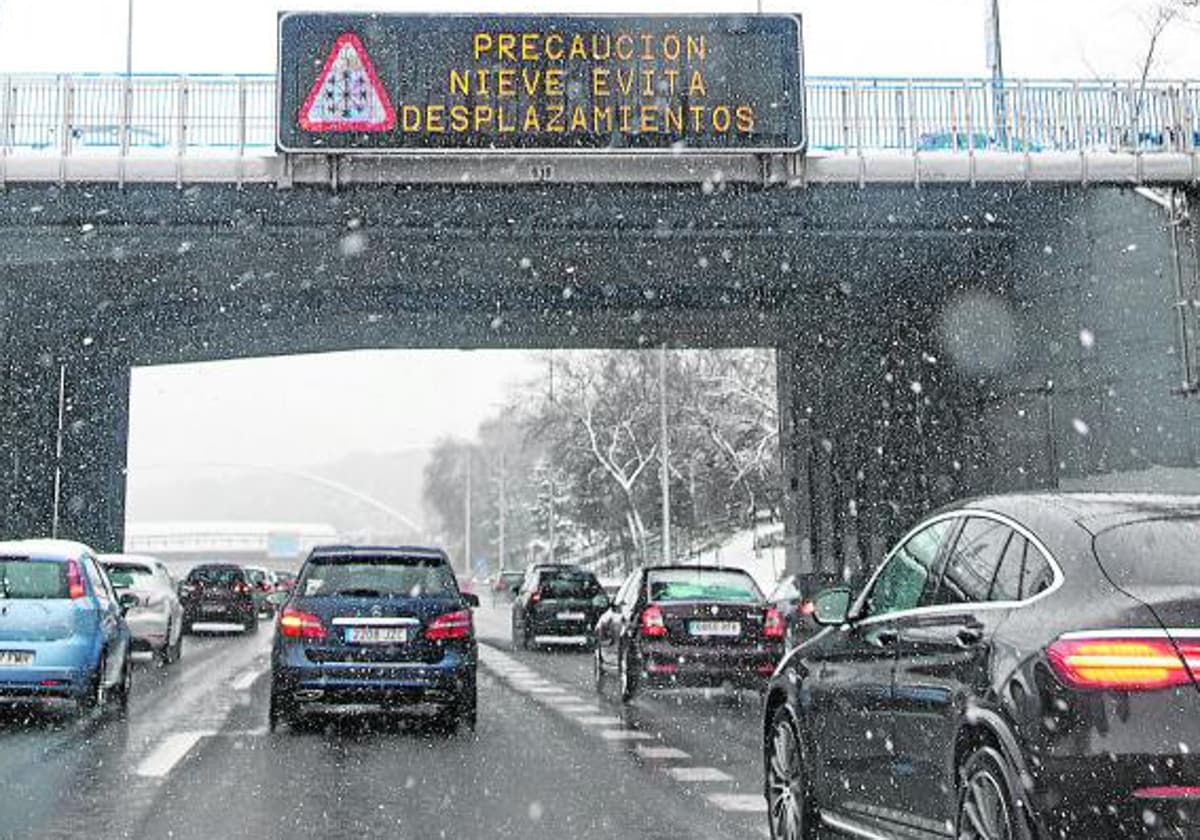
(598, 668)
(251, 625)
(987, 802)
(281, 710)
(175, 649)
(121, 692)
(789, 799)
(96, 695)
(468, 708)
(627, 674)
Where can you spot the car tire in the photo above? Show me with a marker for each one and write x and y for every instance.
(281, 710)
(175, 649)
(790, 811)
(627, 674)
(120, 693)
(468, 708)
(251, 626)
(987, 795)
(598, 668)
(96, 695)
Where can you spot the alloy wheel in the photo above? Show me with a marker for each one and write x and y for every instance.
(786, 792)
(984, 812)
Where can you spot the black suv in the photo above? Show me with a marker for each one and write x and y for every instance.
(218, 593)
(557, 604)
(1022, 666)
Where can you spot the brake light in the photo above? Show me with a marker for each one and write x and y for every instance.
(241, 588)
(75, 587)
(295, 624)
(1122, 664)
(453, 625)
(536, 596)
(652, 622)
(773, 626)
(1168, 792)
(808, 608)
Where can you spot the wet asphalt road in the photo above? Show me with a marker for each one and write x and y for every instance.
(550, 759)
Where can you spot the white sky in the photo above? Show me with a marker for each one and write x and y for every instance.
(1042, 38)
(303, 410)
(309, 409)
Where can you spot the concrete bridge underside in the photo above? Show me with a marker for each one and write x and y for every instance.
(930, 339)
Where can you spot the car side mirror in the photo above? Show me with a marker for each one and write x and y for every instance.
(128, 601)
(470, 599)
(278, 599)
(602, 603)
(832, 606)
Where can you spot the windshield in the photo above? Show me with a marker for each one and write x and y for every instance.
(702, 585)
(127, 575)
(216, 576)
(1157, 552)
(404, 577)
(21, 578)
(569, 584)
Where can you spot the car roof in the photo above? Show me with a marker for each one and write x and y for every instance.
(1092, 511)
(695, 567)
(206, 566)
(139, 559)
(378, 550)
(49, 549)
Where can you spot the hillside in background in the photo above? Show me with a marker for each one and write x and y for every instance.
(232, 493)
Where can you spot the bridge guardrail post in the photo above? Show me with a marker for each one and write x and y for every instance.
(6, 109)
(241, 128)
(68, 94)
(181, 128)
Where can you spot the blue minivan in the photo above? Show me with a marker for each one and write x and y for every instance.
(62, 627)
(381, 627)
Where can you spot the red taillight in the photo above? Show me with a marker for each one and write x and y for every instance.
(241, 588)
(661, 667)
(75, 587)
(1121, 664)
(765, 668)
(652, 622)
(1168, 792)
(295, 624)
(773, 626)
(536, 596)
(453, 625)
(808, 608)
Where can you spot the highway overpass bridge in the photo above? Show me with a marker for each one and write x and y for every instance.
(959, 306)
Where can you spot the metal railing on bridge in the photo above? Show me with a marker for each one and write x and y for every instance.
(144, 116)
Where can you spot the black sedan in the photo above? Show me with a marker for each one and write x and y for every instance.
(1018, 666)
(687, 627)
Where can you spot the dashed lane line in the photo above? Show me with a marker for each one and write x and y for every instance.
(745, 803)
(247, 679)
(170, 752)
(625, 735)
(699, 774)
(657, 753)
(597, 720)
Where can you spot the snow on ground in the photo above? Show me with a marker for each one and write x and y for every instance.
(765, 565)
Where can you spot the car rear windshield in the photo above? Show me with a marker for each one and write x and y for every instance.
(22, 578)
(125, 575)
(1154, 551)
(384, 576)
(216, 575)
(702, 585)
(569, 583)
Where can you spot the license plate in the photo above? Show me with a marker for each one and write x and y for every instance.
(571, 616)
(715, 628)
(16, 657)
(377, 635)
(213, 608)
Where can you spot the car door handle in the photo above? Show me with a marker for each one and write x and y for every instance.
(968, 636)
(886, 637)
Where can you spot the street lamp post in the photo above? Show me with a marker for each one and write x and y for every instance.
(995, 64)
(666, 454)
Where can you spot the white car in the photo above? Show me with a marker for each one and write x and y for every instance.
(156, 620)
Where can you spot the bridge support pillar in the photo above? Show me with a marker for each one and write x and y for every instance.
(84, 488)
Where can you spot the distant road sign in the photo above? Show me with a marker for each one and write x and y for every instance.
(379, 83)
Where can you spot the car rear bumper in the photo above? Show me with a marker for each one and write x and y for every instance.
(581, 629)
(395, 684)
(148, 629)
(748, 666)
(220, 612)
(60, 669)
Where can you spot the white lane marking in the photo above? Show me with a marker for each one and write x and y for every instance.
(624, 735)
(574, 641)
(169, 753)
(246, 679)
(647, 751)
(597, 720)
(577, 709)
(546, 689)
(699, 774)
(745, 803)
(564, 699)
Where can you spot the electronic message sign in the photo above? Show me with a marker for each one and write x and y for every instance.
(380, 83)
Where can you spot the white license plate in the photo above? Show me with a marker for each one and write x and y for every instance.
(571, 616)
(377, 635)
(213, 608)
(16, 657)
(715, 628)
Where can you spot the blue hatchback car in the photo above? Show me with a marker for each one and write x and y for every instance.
(377, 627)
(62, 627)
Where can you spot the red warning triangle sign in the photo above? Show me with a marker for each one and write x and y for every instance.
(348, 95)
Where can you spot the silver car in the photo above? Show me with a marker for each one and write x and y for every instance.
(156, 620)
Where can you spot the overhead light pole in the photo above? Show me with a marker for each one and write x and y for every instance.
(665, 461)
(995, 62)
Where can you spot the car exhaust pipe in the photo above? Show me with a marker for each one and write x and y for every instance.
(309, 694)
